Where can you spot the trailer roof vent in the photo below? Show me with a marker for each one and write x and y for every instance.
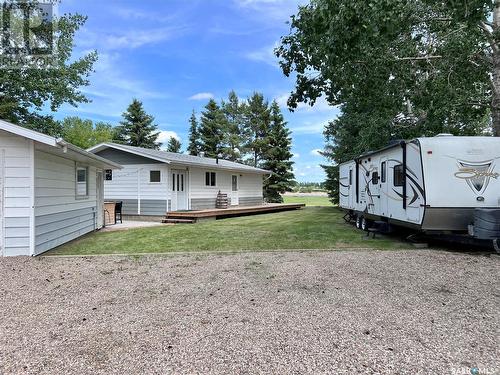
(444, 135)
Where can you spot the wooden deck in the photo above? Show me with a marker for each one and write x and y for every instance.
(219, 213)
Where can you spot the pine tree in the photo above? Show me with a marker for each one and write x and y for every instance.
(233, 111)
(278, 157)
(194, 146)
(213, 125)
(256, 128)
(174, 145)
(137, 128)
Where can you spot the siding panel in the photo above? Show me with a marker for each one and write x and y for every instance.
(17, 205)
(61, 216)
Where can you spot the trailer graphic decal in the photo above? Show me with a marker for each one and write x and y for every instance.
(477, 175)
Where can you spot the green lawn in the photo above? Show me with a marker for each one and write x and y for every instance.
(309, 228)
(308, 200)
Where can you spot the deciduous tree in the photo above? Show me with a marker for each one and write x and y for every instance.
(397, 69)
(83, 133)
(25, 90)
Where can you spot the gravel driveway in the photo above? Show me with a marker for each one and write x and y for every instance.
(346, 312)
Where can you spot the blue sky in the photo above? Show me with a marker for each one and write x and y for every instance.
(174, 55)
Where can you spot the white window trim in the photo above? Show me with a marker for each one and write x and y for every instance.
(86, 195)
(149, 176)
(216, 180)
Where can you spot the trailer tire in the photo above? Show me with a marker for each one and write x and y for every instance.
(365, 224)
(358, 221)
(487, 223)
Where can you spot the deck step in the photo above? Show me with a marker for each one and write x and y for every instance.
(172, 220)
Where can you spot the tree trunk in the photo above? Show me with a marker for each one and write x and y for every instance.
(495, 74)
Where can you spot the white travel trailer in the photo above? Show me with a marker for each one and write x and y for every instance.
(443, 184)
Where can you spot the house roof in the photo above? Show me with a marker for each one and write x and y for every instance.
(58, 143)
(182, 159)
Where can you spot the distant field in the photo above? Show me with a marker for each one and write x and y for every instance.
(309, 200)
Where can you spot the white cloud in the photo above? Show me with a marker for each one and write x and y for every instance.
(165, 136)
(128, 39)
(136, 14)
(271, 11)
(265, 55)
(309, 128)
(321, 105)
(202, 96)
(316, 152)
(111, 89)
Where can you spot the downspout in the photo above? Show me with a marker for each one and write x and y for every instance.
(403, 146)
(138, 191)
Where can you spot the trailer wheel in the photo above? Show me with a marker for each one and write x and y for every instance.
(365, 224)
(358, 221)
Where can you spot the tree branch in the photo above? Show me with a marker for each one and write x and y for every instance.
(416, 58)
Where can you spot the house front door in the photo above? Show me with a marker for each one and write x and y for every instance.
(235, 199)
(179, 190)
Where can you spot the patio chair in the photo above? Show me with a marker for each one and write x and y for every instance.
(118, 212)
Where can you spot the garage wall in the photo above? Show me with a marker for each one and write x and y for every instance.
(17, 179)
(61, 216)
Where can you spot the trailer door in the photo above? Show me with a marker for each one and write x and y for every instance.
(384, 187)
(352, 188)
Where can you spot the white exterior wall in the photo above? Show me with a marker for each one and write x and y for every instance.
(384, 198)
(141, 197)
(443, 165)
(249, 189)
(17, 192)
(61, 215)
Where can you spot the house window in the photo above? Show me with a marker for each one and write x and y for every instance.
(398, 175)
(383, 170)
(210, 179)
(375, 178)
(108, 175)
(154, 176)
(82, 181)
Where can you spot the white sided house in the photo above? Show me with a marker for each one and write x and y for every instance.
(51, 192)
(154, 182)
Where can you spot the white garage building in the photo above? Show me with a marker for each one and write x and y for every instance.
(51, 192)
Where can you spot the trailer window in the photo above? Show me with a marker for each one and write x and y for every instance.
(350, 176)
(398, 175)
(375, 178)
(383, 171)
